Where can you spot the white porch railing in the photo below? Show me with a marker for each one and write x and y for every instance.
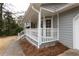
(47, 35)
(21, 34)
(32, 33)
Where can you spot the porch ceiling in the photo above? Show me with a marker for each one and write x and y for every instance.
(36, 5)
(34, 16)
(46, 13)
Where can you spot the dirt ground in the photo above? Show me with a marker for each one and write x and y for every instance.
(70, 52)
(30, 50)
(5, 41)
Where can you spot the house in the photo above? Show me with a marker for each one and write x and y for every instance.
(50, 22)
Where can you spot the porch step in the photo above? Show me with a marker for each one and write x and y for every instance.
(19, 37)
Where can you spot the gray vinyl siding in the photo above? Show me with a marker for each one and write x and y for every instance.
(53, 6)
(66, 26)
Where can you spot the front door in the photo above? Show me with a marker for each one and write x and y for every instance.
(48, 27)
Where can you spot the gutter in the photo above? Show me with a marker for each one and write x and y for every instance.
(66, 7)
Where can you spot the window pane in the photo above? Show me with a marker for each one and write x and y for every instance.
(48, 23)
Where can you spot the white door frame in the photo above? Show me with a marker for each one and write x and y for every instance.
(44, 24)
(74, 30)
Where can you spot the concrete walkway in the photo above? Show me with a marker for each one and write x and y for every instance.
(14, 50)
(5, 42)
(70, 52)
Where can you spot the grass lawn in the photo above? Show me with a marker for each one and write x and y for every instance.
(5, 41)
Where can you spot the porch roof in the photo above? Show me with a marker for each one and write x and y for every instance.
(30, 13)
(33, 15)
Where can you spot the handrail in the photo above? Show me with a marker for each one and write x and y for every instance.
(34, 31)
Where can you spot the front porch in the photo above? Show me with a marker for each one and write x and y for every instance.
(32, 35)
(41, 27)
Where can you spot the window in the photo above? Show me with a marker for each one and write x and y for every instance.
(48, 23)
(41, 24)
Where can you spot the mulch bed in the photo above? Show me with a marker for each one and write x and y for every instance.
(30, 50)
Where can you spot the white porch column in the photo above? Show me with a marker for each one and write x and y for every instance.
(44, 26)
(24, 25)
(52, 29)
(30, 23)
(39, 28)
(30, 26)
(57, 26)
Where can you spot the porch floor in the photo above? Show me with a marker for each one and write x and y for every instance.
(30, 50)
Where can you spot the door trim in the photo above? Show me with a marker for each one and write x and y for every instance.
(74, 22)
